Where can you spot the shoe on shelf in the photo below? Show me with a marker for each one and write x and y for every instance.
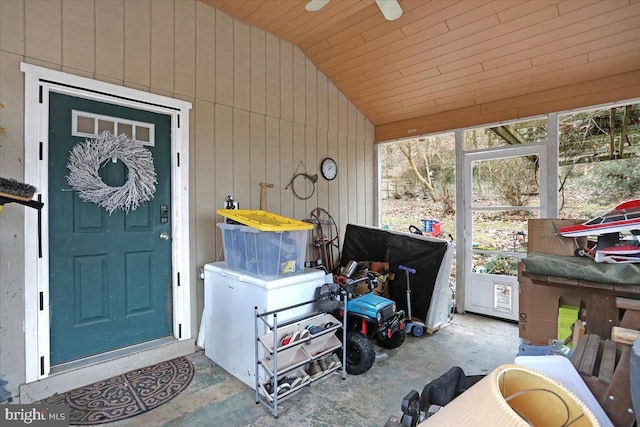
(334, 361)
(286, 340)
(304, 334)
(323, 363)
(329, 325)
(314, 329)
(297, 381)
(284, 387)
(269, 387)
(313, 368)
(288, 381)
(290, 338)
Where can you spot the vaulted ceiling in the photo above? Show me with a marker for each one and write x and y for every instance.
(447, 55)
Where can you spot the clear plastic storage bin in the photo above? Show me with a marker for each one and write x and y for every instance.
(264, 253)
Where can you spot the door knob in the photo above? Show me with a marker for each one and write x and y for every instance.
(164, 236)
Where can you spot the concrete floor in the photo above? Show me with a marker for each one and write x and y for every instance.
(214, 398)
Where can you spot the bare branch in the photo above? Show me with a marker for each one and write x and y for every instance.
(407, 150)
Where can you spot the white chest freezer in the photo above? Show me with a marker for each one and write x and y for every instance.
(229, 316)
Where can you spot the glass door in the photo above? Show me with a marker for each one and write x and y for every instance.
(505, 184)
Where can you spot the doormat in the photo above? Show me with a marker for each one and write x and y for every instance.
(126, 395)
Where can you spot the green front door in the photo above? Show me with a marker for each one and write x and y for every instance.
(109, 275)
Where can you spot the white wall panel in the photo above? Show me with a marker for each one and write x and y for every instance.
(206, 52)
(185, 49)
(204, 163)
(273, 172)
(343, 124)
(241, 158)
(258, 71)
(286, 167)
(257, 154)
(224, 59)
(12, 32)
(311, 163)
(77, 52)
(311, 93)
(272, 76)
(352, 178)
(162, 45)
(322, 186)
(241, 66)
(299, 85)
(222, 182)
(361, 181)
(286, 80)
(352, 121)
(333, 110)
(43, 28)
(333, 187)
(109, 31)
(137, 40)
(342, 184)
(370, 175)
(299, 166)
(323, 102)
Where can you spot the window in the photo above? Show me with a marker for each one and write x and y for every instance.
(89, 125)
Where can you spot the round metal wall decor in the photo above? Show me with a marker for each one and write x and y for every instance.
(86, 159)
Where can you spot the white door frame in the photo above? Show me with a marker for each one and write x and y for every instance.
(548, 154)
(38, 83)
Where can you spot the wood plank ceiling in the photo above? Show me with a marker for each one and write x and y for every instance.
(443, 55)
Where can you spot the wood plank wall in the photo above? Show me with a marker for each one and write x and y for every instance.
(260, 107)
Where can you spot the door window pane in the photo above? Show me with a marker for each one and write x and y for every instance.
(142, 134)
(511, 181)
(124, 128)
(86, 125)
(501, 231)
(105, 125)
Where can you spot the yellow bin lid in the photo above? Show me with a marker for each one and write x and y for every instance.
(264, 221)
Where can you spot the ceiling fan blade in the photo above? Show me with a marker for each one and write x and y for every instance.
(315, 5)
(390, 9)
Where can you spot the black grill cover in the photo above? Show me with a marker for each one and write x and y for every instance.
(425, 255)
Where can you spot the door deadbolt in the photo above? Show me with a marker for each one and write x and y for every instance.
(164, 214)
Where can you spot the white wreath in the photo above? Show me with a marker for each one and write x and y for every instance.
(86, 159)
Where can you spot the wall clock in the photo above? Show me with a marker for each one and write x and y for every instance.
(329, 168)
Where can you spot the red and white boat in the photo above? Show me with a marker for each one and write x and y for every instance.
(625, 217)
